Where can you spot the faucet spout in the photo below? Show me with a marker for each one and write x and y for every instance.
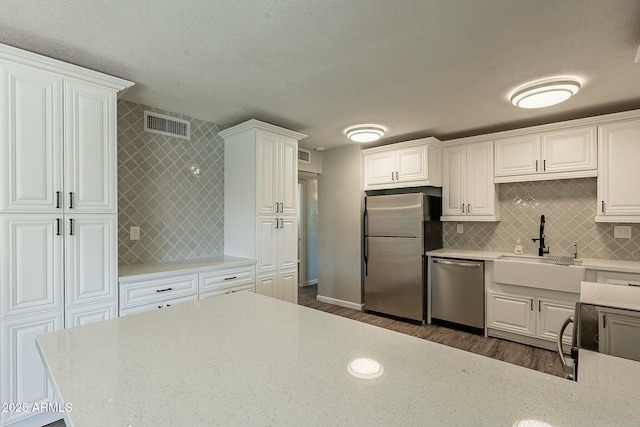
(542, 249)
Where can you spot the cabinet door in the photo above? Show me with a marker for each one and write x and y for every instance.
(30, 140)
(619, 334)
(551, 316)
(454, 179)
(267, 285)
(619, 151)
(617, 278)
(480, 189)
(90, 148)
(288, 176)
(267, 253)
(288, 243)
(517, 156)
(84, 315)
(510, 313)
(267, 173)
(288, 286)
(91, 259)
(569, 150)
(24, 377)
(412, 164)
(379, 169)
(31, 270)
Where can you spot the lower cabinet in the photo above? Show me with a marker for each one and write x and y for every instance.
(282, 285)
(619, 333)
(84, 315)
(529, 315)
(25, 378)
(157, 305)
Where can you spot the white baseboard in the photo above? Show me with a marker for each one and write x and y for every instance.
(311, 282)
(341, 303)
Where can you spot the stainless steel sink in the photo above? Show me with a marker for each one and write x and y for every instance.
(536, 272)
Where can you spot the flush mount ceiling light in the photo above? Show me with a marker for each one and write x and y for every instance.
(365, 133)
(545, 93)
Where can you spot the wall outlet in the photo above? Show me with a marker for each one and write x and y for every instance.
(134, 232)
(459, 228)
(622, 232)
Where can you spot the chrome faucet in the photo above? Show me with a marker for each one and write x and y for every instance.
(542, 249)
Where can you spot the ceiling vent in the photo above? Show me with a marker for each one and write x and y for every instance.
(304, 156)
(165, 125)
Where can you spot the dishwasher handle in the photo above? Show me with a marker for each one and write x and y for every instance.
(457, 264)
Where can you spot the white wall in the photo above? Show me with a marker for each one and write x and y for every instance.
(340, 209)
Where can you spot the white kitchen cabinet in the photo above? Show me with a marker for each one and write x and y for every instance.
(261, 199)
(128, 311)
(618, 172)
(24, 377)
(31, 264)
(619, 333)
(91, 262)
(58, 176)
(468, 191)
(529, 315)
(617, 278)
(557, 154)
(406, 164)
(241, 288)
(86, 314)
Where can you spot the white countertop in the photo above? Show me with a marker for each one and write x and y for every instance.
(149, 270)
(610, 295)
(588, 263)
(246, 359)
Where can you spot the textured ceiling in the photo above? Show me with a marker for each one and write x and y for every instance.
(440, 68)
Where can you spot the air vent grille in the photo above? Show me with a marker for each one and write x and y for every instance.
(165, 125)
(304, 155)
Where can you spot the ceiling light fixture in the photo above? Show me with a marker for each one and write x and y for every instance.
(365, 133)
(544, 93)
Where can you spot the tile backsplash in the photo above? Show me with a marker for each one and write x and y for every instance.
(569, 207)
(181, 216)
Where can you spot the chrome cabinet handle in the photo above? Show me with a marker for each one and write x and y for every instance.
(544, 165)
(281, 207)
(277, 207)
(531, 304)
(164, 290)
(281, 223)
(456, 264)
(277, 223)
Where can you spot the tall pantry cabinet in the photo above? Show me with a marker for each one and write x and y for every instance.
(58, 213)
(261, 203)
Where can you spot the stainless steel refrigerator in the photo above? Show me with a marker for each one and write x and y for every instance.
(398, 229)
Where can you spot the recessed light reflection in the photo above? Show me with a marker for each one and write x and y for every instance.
(365, 368)
(531, 423)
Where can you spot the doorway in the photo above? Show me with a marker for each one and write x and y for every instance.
(307, 230)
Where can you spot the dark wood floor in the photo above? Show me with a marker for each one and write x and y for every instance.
(518, 354)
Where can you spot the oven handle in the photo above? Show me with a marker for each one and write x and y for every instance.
(567, 369)
(456, 264)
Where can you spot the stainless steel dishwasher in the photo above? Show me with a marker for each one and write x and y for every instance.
(457, 291)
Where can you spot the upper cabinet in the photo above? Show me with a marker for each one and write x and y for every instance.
(468, 191)
(277, 161)
(558, 154)
(618, 172)
(406, 164)
(59, 150)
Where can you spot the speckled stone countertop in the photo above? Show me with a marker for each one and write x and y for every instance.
(588, 263)
(150, 270)
(246, 359)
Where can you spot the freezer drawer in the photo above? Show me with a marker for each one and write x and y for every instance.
(457, 291)
(393, 282)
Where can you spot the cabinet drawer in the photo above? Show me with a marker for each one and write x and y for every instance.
(148, 291)
(157, 305)
(223, 279)
(242, 288)
(617, 278)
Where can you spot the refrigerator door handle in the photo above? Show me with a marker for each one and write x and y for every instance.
(365, 229)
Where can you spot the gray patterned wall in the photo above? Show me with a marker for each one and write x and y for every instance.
(569, 207)
(180, 215)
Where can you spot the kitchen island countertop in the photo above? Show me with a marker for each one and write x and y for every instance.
(246, 359)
